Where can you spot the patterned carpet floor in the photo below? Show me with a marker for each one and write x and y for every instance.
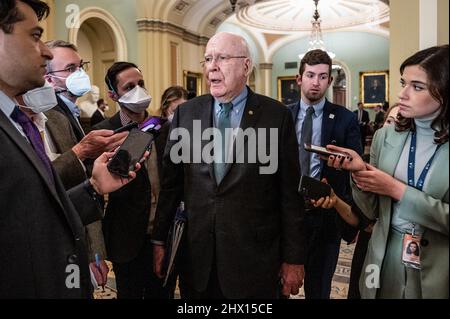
(339, 287)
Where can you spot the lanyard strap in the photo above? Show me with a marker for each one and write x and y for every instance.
(412, 164)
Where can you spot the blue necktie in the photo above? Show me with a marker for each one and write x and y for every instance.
(34, 137)
(305, 157)
(222, 123)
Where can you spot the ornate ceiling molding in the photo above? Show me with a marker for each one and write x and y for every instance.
(160, 26)
(295, 16)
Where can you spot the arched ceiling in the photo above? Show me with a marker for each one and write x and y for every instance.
(293, 15)
(274, 23)
(275, 16)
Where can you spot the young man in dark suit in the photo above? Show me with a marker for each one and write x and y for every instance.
(244, 234)
(320, 122)
(126, 224)
(43, 252)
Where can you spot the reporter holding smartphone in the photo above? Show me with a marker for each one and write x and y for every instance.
(126, 222)
(406, 186)
(41, 228)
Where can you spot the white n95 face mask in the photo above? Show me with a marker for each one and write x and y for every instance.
(40, 99)
(137, 100)
(78, 83)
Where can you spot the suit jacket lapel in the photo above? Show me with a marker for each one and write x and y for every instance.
(393, 148)
(206, 120)
(63, 108)
(27, 149)
(328, 121)
(295, 110)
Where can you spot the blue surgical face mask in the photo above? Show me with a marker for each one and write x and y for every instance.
(77, 83)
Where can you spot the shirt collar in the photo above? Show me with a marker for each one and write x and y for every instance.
(72, 106)
(237, 102)
(6, 104)
(318, 107)
(39, 120)
(125, 119)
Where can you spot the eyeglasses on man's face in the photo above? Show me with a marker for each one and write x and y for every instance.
(84, 65)
(220, 59)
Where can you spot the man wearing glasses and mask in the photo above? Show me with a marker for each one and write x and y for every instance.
(66, 74)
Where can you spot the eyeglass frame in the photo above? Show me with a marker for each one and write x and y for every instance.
(221, 58)
(83, 65)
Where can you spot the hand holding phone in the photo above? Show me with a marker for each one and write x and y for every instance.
(127, 127)
(324, 152)
(130, 152)
(311, 188)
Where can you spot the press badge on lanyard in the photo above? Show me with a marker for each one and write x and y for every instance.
(411, 242)
(411, 250)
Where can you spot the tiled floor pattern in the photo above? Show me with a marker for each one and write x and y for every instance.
(339, 288)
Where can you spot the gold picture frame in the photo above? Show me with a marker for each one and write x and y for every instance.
(193, 82)
(287, 91)
(374, 87)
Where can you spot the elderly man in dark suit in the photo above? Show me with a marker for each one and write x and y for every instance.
(244, 234)
(43, 253)
(320, 122)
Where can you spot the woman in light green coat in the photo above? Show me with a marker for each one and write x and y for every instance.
(406, 186)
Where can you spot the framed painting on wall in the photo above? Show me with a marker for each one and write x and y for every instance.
(193, 82)
(287, 91)
(374, 87)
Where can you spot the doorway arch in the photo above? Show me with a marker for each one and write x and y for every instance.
(100, 40)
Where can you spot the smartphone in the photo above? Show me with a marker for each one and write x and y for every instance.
(130, 152)
(153, 124)
(127, 127)
(323, 151)
(311, 188)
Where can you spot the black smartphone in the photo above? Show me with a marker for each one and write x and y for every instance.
(130, 152)
(311, 188)
(323, 151)
(127, 127)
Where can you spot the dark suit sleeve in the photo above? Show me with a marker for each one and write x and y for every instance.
(352, 141)
(171, 191)
(292, 204)
(85, 204)
(69, 169)
(353, 135)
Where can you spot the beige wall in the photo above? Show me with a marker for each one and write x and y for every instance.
(443, 21)
(49, 23)
(406, 23)
(404, 39)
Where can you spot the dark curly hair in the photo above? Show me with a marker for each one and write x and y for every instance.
(434, 61)
(9, 14)
(315, 57)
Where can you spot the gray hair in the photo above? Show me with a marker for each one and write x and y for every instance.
(53, 44)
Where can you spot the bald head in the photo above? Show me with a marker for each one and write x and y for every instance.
(228, 64)
(236, 43)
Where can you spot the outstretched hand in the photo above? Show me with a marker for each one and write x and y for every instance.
(105, 182)
(352, 163)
